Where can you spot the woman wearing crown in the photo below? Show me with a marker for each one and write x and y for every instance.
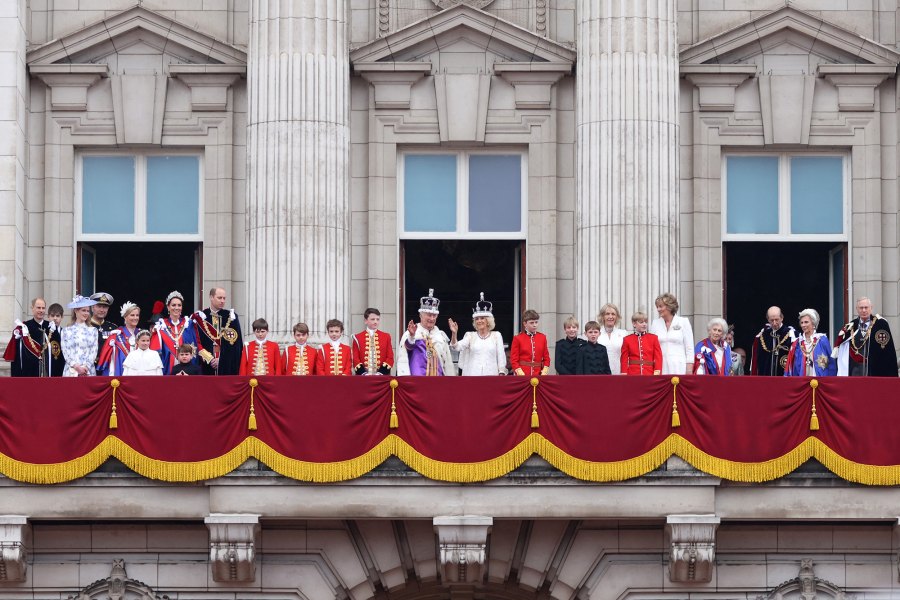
(171, 332)
(481, 351)
(120, 342)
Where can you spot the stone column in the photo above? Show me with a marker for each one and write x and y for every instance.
(298, 213)
(627, 154)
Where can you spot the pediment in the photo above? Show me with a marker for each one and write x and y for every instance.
(463, 27)
(785, 32)
(136, 31)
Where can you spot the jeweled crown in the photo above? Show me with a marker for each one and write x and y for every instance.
(483, 308)
(429, 304)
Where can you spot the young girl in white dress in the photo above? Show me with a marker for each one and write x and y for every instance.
(142, 360)
(481, 351)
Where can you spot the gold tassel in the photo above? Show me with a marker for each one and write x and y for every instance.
(814, 419)
(676, 419)
(251, 423)
(535, 421)
(113, 418)
(395, 422)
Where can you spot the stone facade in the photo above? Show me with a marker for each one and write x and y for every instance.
(300, 113)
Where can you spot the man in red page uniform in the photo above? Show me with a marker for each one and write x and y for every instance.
(528, 353)
(373, 351)
(641, 354)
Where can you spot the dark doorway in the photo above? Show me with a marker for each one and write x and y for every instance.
(792, 275)
(458, 270)
(141, 272)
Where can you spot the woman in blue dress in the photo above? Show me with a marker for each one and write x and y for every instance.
(171, 332)
(79, 340)
(810, 354)
(120, 342)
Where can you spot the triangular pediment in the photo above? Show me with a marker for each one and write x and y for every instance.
(789, 31)
(462, 27)
(135, 31)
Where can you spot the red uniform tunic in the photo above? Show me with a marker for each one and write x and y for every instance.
(371, 356)
(329, 362)
(641, 354)
(297, 361)
(529, 355)
(261, 359)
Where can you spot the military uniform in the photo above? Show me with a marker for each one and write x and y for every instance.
(591, 359)
(105, 327)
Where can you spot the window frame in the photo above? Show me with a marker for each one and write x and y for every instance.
(462, 195)
(784, 199)
(140, 197)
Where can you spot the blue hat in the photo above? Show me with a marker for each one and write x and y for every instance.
(80, 302)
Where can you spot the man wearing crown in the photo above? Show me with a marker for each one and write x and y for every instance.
(373, 351)
(864, 346)
(219, 336)
(29, 339)
(424, 348)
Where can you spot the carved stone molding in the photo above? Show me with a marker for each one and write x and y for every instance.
(533, 81)
(856, 84)
(392, 81)
(117, 587)
(444, 4)
(716, 83)
(13, 551)
(209, 83)
(462, 121)
(806, 586)
(462, 543)
(693, 551)
(232, 546)
(69, 83)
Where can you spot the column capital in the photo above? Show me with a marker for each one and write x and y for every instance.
(693, 551)
(13, 551)
(232, 546)
(462, 543)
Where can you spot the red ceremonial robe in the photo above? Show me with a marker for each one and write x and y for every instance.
(261, 359)
(329, 362)
(295, 361)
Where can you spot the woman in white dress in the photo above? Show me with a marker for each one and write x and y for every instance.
(676, 338)
(79, 341)
(142, 360)
(611, 335)
(481, 351)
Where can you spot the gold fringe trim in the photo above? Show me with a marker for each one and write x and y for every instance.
(473, 472)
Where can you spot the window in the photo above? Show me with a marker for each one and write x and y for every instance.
(785, 196)
(139, 196)
(472, 195)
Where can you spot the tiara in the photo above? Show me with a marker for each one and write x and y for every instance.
(174, 294)
(483, 308)
(429, 304)
(142, 332)
(127, 308)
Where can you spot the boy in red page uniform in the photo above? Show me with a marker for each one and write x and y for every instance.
(641, 354)
(373, 351)
(299, 358)
(261, 356)
(333, 357)
(528, 353)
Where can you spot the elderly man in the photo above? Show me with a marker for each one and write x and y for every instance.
(26, 349)
(864, 346)
(424, 348)
(221, 344)
(771, 345)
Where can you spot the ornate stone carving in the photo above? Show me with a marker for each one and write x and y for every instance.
(540, 17)
(117, 587)
(444, 4)
(693, 551)
(232, 546)
(13, 532)
(462, 544)
(806, 586)
(384, 17)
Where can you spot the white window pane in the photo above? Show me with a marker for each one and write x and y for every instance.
(495, 193)
(107, 194)
(173, 194)
(429, 192)
(817, 194)
(752, 194)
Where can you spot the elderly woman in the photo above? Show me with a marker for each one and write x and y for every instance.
(171, 332)
(79, 340)
(611, 335)
(120, 342)
(810, 354)
(712, 356)
(480, 351)
(676, 338)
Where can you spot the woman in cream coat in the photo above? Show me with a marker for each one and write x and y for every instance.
(676, 338)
